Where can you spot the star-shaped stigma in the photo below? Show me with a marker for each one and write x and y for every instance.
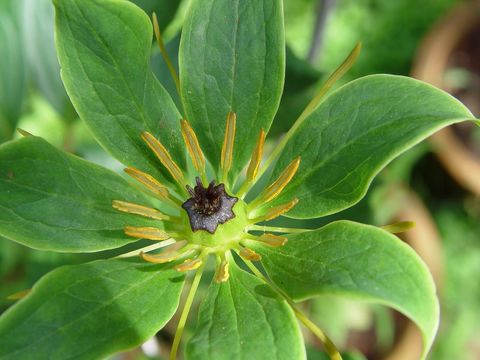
(208, 207)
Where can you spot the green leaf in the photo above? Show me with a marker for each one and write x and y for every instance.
(91, 310)
(52, 200)
(354, 133)
(104, 50)
(12, 68)
(360, 261)
(232, 58)
(244, 319)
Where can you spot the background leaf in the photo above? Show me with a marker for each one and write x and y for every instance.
(244, 319)
(116, 94)
(232, 58)
(89, 311)
(360, 261)
(165, 9)
(52, 200)
(354, 133)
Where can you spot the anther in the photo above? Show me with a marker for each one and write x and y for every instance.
(139, 210)
(189, 264)
(193, 147)
(150, 233)
(257, 154)
(169, 254)
(164, 156)
(249, 254)
(228, 141)
(149, 181)
(277, 187)
(276, 211)
(273, 240)
(222, 273)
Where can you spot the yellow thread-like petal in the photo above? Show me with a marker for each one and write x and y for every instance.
(252, 170)
(273, 240)
(139, 210)
(160, 258)
(222, 273)
(228, 141)
(193, 146)
(249, 254)
(399, 227)
(149, 181)
(276, 188)
(279, 210)
(24, 133)
(19, 295)
(189, 264)
(150, 233)
(164, 156)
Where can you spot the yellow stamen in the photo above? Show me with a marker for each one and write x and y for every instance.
(399, 227)
(228, 141)
(193, 147)
(164, 156)
(19, 295)
(249, 254)
(164, 53)
(252, 170)
(273, 240)
(169, 254)
(277, 211)
(150, 233)
(149, 181)
(24, 133)
(276, 188)
(189, 264)
(222, 273)
(139, 210)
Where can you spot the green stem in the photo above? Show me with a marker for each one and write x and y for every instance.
(312, 105)
(329, 346)
(185, 311)
(286, 230)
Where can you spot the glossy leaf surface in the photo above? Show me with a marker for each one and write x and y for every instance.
(358, 261)
(52, 200)
(91, 310)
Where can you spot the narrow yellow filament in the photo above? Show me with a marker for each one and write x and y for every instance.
(276, 188)
(185, 311)
(139, 210)
(193, 147)
(163, 51)
(150, 233)
(164, 156)
(149, 182)
(222, 273)
(276, 211)
(228, 141)
(189, 264)
(170, 253)
(24, 133)
(273, 240)
(257, 154)
(19, 295)
(399, 227)
(249, 254)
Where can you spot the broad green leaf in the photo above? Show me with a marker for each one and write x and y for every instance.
(12, 68)
(354, 133)
(38, 29)
(52, 200)
(232, 58)
(104, 50)
(244, 319)
(91, 310)
(360, 261)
